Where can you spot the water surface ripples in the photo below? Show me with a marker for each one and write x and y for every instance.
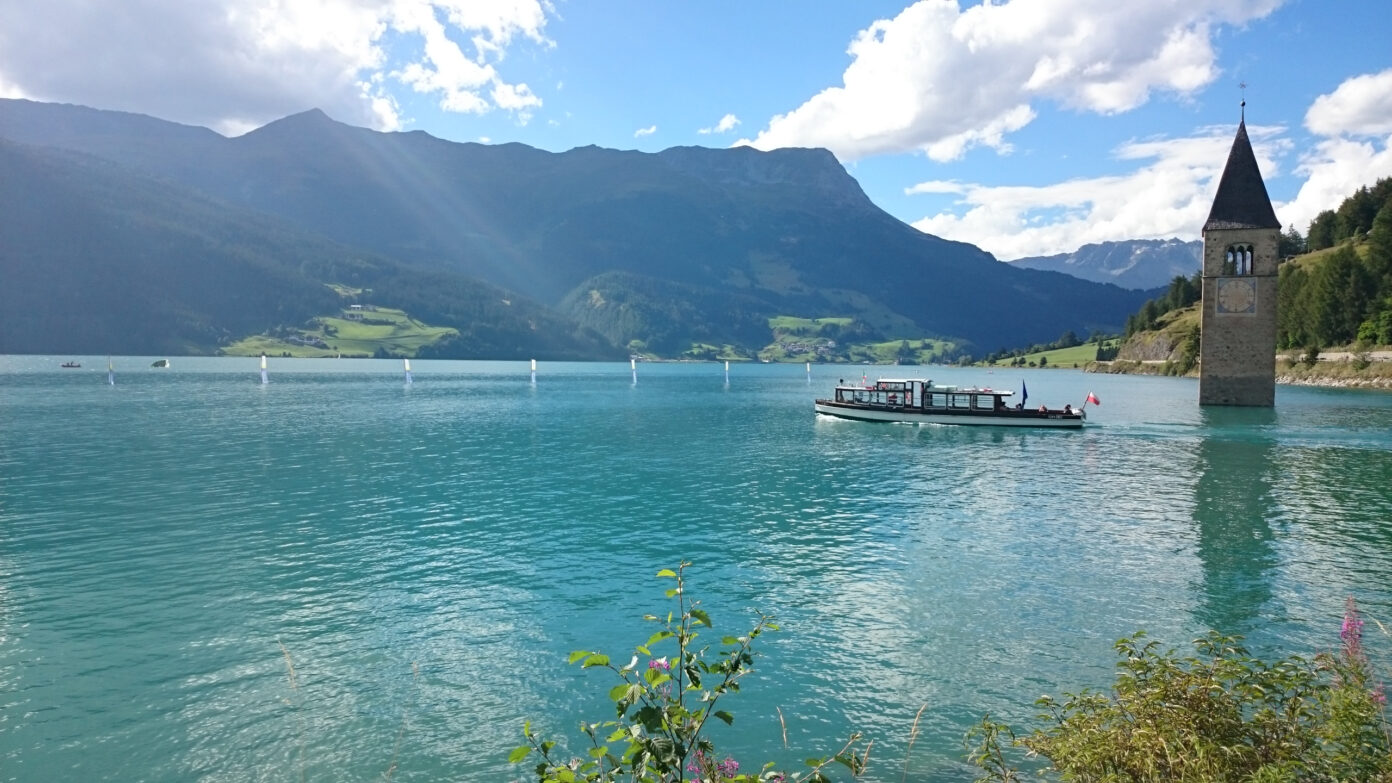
(424, 557)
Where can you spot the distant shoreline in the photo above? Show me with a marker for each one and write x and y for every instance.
(1334, 369)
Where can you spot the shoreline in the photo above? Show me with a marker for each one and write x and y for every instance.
(1335, 370)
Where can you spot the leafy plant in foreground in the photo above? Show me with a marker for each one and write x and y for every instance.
(1220, 715)
(663, 705)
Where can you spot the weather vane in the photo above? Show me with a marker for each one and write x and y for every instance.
(1243, 86)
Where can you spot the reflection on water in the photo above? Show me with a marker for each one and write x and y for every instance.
(1233, 507)
(161, 539)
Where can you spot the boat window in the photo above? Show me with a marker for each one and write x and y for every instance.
(960, 400)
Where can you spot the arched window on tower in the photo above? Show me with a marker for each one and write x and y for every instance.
(1238, 260)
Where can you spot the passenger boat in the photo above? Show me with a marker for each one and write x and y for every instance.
(918, 401)
(69, 365)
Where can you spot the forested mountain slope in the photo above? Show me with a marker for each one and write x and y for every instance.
(787, 232)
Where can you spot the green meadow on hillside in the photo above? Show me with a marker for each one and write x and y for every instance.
(848, 340)
(1075, 356)
(381, 331)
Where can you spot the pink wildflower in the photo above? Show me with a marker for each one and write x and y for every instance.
(1352, 632)
(660, 664)
(724, 769)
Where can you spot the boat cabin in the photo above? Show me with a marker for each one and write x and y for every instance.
(918, 400)
(922, 394)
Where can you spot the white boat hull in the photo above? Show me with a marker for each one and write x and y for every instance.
(1009, 418)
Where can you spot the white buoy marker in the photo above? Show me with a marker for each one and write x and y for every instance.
(409, 380)
(534, 372)
(264, 379)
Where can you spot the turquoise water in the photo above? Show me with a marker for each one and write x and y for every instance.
(428, 555)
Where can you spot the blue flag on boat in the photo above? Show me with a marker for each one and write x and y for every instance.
(1024, 393)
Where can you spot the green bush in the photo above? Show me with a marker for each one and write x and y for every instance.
(663, 705)
(1220, 715)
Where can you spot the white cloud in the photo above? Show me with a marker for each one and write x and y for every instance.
(1333, 170)
(941, 80)
(936, 186)
(516, 98)
(381, 106)
(1360, 106)
(10, 90)
(235, 64)
(726, 124)
(444, 67)
(1356, 120)
(648, 131)
(1169, 196)
(993, 135)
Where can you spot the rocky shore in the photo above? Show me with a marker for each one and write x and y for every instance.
(1335, 369)
(1368, 370)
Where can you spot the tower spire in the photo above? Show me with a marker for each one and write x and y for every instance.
(1241, 200)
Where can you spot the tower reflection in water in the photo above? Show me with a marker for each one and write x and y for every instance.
(1233, 507)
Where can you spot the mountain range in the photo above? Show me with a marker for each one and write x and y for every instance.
(125, 233)
(1140, 264)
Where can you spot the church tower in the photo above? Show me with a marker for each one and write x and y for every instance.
(1237, 350)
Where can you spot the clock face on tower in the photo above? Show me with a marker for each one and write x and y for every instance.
(1237, 295)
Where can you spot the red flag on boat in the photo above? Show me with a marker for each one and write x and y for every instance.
(1092, 398)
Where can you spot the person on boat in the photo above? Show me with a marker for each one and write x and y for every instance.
(1067, 409)
(1043, 408)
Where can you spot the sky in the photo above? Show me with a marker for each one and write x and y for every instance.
(1029, 127)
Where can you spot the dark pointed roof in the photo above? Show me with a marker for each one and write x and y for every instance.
(1241, 201)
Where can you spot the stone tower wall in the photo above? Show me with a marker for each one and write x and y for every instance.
(1237, 352)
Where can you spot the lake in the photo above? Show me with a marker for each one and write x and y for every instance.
(425, 556)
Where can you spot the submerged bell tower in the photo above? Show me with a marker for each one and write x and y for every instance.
(1237, 349)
